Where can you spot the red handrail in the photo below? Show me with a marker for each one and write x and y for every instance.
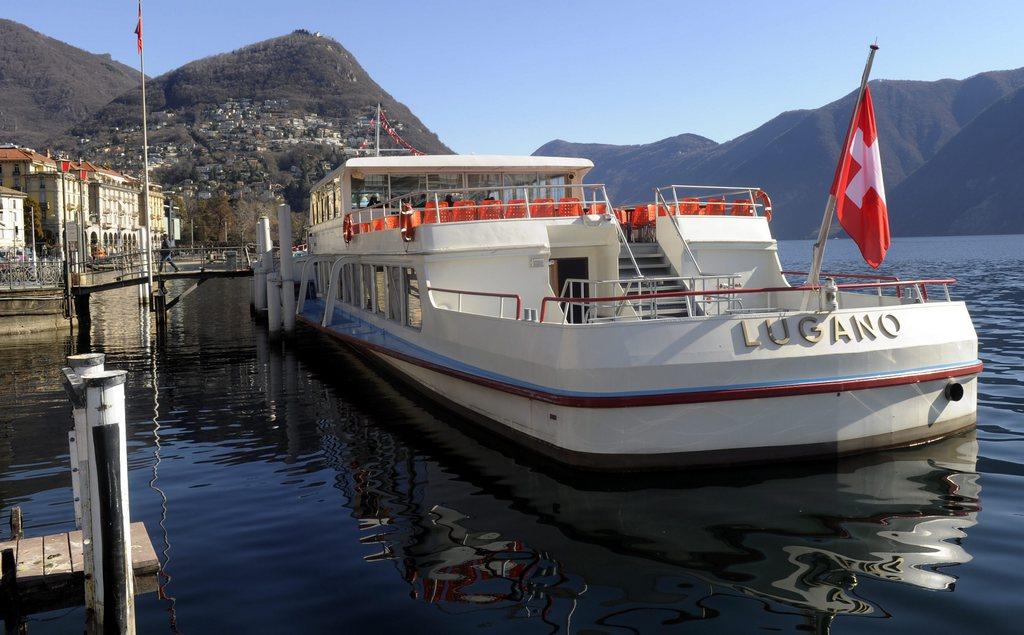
(485, 294)
(854, 276)
(686, 294)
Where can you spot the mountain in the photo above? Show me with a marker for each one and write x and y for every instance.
(974, 184)
(47, 85)
(793, 155)
(278, 113)
(616, 166)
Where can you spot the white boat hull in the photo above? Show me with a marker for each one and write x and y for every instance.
(878, 408)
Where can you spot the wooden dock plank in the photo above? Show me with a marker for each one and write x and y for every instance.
(50, 569)
(30, 561)
(144, 558)
(56, 555)
(75, 543)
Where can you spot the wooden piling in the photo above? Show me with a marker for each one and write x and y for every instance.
(16, 529)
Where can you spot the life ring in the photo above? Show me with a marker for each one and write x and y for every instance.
(405, 223)
(766, 203)
(347, 228)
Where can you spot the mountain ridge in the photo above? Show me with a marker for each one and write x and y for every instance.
(61, 86)
(793, 154)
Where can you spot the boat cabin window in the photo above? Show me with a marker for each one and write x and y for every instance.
(367, 287)
(380, 289)
(413, 315)
(367, 188)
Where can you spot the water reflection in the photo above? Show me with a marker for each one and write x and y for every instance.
(803, 538)
(250, 441)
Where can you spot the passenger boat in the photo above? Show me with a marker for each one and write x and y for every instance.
(654, 336)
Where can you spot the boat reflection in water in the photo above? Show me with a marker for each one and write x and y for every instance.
(470, 528)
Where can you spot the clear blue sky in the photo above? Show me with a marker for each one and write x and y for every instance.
(505, 77)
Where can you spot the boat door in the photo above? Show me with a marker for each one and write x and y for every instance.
(563, 269)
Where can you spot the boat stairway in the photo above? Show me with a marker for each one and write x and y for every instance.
(653, 264)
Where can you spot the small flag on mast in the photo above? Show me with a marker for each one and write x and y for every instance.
(138, 29)
(859, 189)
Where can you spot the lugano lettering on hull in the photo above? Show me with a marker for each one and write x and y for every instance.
(813, 329)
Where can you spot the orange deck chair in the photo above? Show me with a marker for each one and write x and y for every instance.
(715, 207)
(570, 206)
(516, 208)
(742, 207)
(464, 210)
(490, 209)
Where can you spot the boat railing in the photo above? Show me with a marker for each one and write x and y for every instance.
(855, 276)
(627, 290)
(496, 202)
(914, 290)
(713, 200)
(460, 307)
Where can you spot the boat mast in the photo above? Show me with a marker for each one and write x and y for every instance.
(830, 206)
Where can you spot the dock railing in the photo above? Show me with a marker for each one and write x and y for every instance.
(28, 275)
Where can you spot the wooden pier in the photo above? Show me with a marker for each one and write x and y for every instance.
(49, 570)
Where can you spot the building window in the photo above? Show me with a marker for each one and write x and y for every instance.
(380, 289)
(413, 315)
(368, 287)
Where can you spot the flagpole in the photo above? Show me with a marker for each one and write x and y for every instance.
(147, 236)
(830, 206)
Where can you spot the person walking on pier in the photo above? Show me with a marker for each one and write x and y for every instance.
(165, 254)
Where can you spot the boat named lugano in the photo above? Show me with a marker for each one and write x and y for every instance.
(655, 336)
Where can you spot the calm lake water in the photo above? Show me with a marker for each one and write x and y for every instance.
(290, 489)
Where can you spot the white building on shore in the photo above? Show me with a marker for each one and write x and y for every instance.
(12, 221)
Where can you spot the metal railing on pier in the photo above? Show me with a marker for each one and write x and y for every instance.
(27, 275)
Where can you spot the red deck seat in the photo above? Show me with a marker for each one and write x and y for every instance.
(742, 207)
(597, 209)
(377, 224)
(643, 215)
(542, 208)
(689, 207)
(516, 208)
(490, 209)
(464, 211)
(391, 222)
(431, 214)
(570, 206)
(715, 207)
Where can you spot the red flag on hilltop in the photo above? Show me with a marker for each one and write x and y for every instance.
(138, 29)
(858, 187)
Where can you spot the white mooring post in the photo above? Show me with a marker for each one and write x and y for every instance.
(82, 366)
(284, 230)
(114, 602)
(260, 273)
(274, 304)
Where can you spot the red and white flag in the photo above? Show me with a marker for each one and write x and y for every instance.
(858, 187)
(138, 30)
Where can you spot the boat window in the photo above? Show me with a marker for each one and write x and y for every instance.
(395, 294)
(368, 287)
(346, 287)
(353, 283)
(380, 289)
(485, 180)
(446, 181)
(364, 189)
(402, 184)
(516, 181)
(413, 316)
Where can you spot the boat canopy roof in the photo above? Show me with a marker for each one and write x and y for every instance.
(437, 163)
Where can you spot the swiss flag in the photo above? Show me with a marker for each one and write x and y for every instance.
(138, 30)
(858, 187)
